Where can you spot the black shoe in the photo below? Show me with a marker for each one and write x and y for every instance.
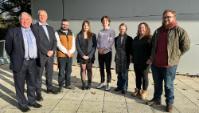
(83, 87)
(70, 87)
(124, 92)
(35, 105)
(60, 89)
(52, 91)
(117, 89)
(39, 97)
(88, 87)
(154, 102)
(23, 108)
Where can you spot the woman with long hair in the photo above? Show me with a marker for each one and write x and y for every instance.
(86, 45)
(141, 53)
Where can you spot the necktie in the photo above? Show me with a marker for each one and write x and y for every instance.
(30, 43)
(46, 31)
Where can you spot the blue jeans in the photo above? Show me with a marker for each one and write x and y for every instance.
(122, 80)
(65, 69)
(167, 75)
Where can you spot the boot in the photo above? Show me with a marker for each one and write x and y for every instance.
(136, 93)
(169, 107)
(144, 94)
(89, 85)
(83, 85)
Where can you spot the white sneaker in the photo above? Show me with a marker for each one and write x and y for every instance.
(101, 85)
(108, 88)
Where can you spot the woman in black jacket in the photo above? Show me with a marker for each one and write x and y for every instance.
(122, 58)
(141, 52)
(86, 45)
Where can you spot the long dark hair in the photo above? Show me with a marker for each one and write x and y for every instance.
(89, 33)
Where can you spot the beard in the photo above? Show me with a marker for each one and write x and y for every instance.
(169, 25)
(64, 29)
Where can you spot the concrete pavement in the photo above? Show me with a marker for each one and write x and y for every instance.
(100, 101)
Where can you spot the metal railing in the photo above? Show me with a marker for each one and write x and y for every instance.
(3, 56)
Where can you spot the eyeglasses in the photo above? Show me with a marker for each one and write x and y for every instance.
(65, 25)
(168, 17)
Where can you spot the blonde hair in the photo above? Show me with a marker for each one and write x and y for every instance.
(123, 24)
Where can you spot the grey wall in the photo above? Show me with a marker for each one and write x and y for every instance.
(53, 7)
(129, 9)
(116, 9)
(132, 12)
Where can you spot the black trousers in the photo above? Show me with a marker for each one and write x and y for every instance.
(26, 74)
(105, 59)
(141, 73)
(47, 63)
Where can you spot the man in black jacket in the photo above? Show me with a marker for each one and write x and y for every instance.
(21, 46)
(122, 58)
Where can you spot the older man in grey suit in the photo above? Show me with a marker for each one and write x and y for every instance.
(48, 45)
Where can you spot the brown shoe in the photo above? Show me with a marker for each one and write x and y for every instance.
(144, 94)
(169, 107)
(136, 93)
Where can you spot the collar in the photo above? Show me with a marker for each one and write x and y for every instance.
(43, 24)
(106, 29)
(25, 28)
(125, 35)
(65, 31)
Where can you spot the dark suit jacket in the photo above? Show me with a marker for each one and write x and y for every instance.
(15, 47)
(92, 43)
(44, 42)
(128, 42)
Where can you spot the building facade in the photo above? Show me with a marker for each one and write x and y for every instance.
(132, 12)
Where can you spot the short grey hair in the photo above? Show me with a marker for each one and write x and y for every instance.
(42, 10)
(20, 16)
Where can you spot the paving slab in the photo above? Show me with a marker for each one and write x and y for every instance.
(98, 100)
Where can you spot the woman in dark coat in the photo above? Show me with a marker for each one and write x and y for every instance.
(122, 58)
(86, 45)
(141, 53)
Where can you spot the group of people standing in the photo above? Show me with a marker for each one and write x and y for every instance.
(32, 47)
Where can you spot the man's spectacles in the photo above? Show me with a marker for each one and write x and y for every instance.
(65, 24)
(168, 17)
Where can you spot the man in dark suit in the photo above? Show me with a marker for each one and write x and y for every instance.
(48, 45)
(21, 46)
